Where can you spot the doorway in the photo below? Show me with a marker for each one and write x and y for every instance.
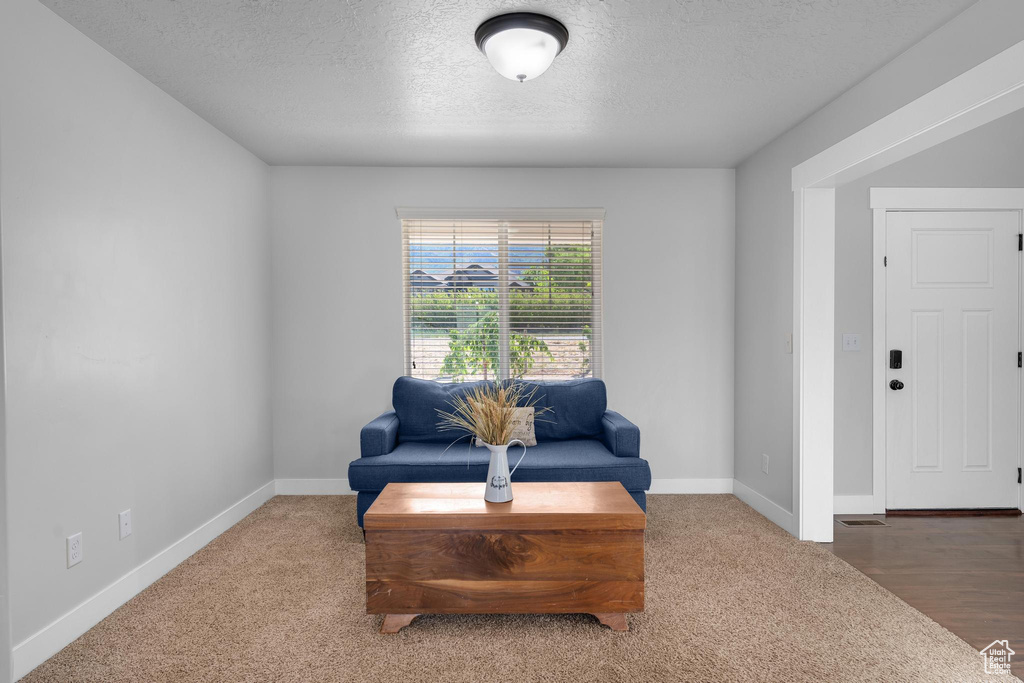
(947, 341)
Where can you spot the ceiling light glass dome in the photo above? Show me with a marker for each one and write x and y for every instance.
(522, 45)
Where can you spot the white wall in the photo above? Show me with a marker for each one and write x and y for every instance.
(135, 296)
(337, 345)
(764, 225)
(990, 156)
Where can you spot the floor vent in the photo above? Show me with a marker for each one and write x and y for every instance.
(861, 522)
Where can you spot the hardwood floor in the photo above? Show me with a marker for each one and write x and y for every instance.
(966, 573)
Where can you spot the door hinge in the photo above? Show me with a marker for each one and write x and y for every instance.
(885, 261)
(1020, 242)
(1018, 475)
(1020, 359)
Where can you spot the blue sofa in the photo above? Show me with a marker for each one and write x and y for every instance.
(579, 440)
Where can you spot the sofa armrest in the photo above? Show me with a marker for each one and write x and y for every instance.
(380, 436)
(621, 436)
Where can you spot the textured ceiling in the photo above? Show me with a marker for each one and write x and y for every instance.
(400, 82)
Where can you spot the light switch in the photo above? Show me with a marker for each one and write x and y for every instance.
(851, 342)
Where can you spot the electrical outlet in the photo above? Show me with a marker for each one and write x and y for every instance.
(74, 549)
(764, 463)
(124, 523)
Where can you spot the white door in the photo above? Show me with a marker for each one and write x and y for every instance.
(952, 283)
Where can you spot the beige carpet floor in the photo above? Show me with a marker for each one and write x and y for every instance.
(730, 597)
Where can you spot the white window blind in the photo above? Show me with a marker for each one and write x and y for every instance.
(499, 299)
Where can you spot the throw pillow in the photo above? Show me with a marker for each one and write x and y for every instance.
(522, 427)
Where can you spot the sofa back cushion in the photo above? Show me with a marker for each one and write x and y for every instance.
(577, 409)
(416, 403)
(578, 406)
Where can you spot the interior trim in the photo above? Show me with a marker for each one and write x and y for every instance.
(982, 94)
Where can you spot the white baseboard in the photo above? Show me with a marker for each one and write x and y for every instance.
(49, 640)
(772, 511)
(853, 505)
(313, 487)
(691, 486)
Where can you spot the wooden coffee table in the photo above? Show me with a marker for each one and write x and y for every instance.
(556, 548)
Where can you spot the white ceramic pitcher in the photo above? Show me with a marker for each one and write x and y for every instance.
(499, 479)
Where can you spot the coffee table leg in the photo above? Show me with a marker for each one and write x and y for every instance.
(393, 623)
(616, 621)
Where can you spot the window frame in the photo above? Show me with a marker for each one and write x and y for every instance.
(591, 214)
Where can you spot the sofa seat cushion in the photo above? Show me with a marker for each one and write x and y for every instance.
(572, 460)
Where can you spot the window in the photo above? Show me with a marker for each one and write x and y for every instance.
(503, 295)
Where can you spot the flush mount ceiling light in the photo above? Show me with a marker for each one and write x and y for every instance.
(521, 45)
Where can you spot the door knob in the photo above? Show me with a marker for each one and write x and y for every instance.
(895, 385)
